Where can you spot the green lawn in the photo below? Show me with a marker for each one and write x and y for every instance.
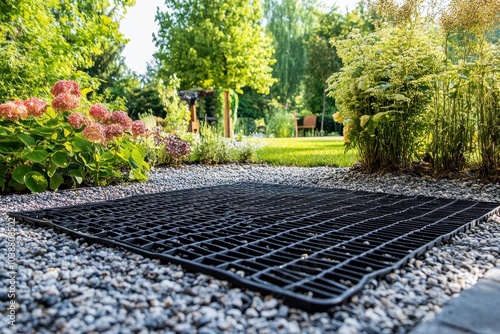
(304, 152)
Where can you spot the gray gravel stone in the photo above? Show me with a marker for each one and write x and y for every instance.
(70, 286)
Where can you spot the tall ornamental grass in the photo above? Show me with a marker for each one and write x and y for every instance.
(467, 118)
(426, 82)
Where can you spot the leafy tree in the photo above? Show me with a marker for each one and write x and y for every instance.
(44, 41)
(31, 54)
(289, 22)
(323, 59)
(252, 104)
(214, 44)
(110, 69)
(142, 99)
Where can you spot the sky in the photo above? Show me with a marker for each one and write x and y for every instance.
(139, 25)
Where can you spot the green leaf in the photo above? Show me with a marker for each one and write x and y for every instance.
(3, 172)
(20, 172)
(45, 131)
(16, 185)
(138, 175)
(51, 113)
(462, 76)
(137, 155)
(364, 120)
(36, 182)
(68, 147)
(5, 131)
(133, 163)
(9, 147)
(60, 159)
(26, 139)
(97, 157)
(108, 157)
(91, 166)
(379, 117)
(136, 158)
(37, 155)
(55, 181)
(81, 144)
(77, 175)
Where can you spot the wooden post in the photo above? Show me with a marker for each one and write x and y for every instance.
(193, 124)
(228, 128)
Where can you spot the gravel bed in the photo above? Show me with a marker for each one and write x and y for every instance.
(68, 286)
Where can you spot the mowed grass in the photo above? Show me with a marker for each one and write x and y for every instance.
(304, 152)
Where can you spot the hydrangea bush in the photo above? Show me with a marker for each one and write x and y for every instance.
(62, 145)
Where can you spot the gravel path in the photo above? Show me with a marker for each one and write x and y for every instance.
(68, 286)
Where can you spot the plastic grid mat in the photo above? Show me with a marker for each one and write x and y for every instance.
(313, 247)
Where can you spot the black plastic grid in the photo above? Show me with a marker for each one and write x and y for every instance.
(313, 247)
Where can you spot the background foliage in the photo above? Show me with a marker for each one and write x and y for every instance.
(44, 41)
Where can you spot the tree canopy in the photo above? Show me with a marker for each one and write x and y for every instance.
(214, 44)
(45, 41)
(289, 22)
(323, 60)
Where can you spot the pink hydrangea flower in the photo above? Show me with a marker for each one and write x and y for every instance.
(13, 110)
(65, 86)
(138, 128)
(65, 101)
(76, 120)
(94, 132)
(121, 118)
(36, 107)
(100, 113)
(113, 130)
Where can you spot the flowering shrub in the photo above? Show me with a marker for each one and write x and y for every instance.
(245, 151)
(164, 149)
(176, 149)
(94, 132)
(76, 120)
(48, 147)
(121, 118)
(36, 107)
(13, 110)
(112, 131)
(100, 113)
(66, 87)
(138, 128)
(65, 101)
